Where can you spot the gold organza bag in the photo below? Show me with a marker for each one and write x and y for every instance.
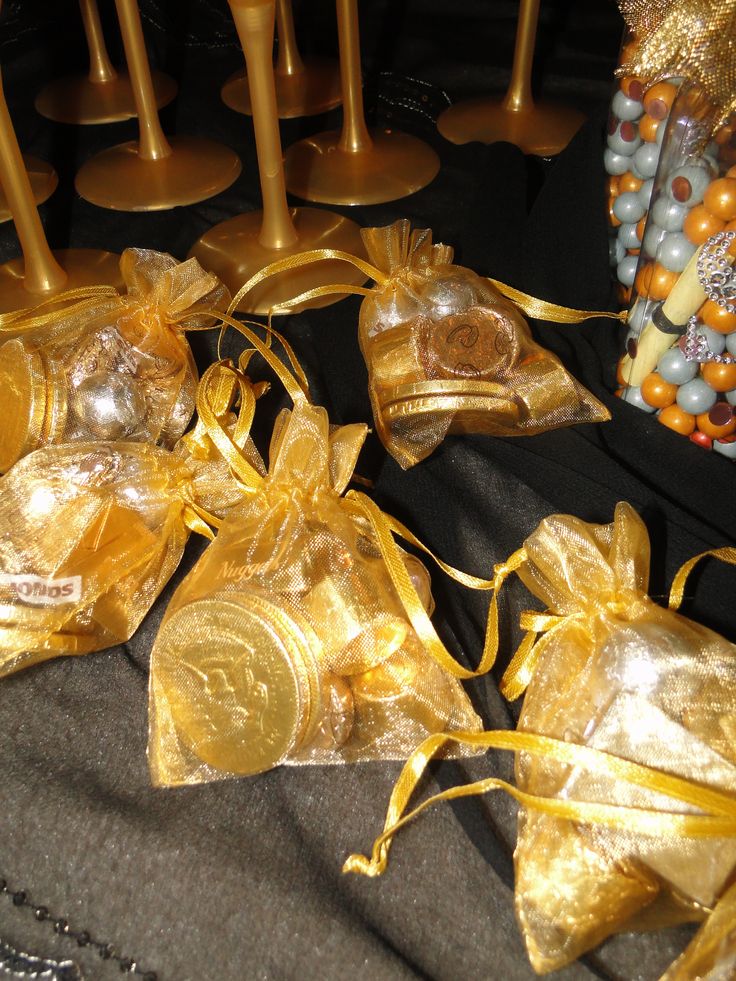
(302, 635)
(106, 367)
(711, 956)
(626, 745)
(90, 533)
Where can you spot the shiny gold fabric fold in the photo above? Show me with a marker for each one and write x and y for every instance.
(302, 635)
(447, 353)
(626, 760)
(91, 532)
(711, 955)
(104, 366)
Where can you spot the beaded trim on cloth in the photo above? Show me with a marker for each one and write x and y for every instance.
(22, 965)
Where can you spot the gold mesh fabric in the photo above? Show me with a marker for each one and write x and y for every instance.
(711, 955)
(446, 353)
(693, 39)
(626, 677)
(287, 642)
(113, 368)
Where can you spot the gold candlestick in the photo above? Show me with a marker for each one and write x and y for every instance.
(542, 128)
(357, 166)
(236, 249)
(44, 181)
(39, 273)
(103, 95)
(153, 173)
(302, 88)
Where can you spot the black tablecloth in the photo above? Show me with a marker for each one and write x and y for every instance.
(241, 879)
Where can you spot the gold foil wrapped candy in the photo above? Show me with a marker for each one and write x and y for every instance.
(288, 642)
(625, 762)
(108, 367)
(90, 533)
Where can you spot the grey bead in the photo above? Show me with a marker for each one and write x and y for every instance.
(698, 175)
(647, 158)
(616, 251)
(626, 270)
(627, 235)
(632, 395)
(727, 449)
(640, 314)
(668, 214)
(645, 193)
(696, 396)
(731, 396)
(731, 343)
(715, 340)
(675, 251)
(628, 208)
(626, 108)
(674, 367)
(615, 163)
(653, 236)
(661, 129)
(618, 144)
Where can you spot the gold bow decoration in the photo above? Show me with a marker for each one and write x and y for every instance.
(690, 38)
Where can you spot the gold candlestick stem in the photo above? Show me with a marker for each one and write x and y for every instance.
(153, 173)
(39, 273)
(302, 88)
(103, 95)
(356, 166)
(289, 61)
(544, 128)
(241, 246)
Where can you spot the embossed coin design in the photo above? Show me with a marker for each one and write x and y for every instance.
(241, 679)
(479, 343)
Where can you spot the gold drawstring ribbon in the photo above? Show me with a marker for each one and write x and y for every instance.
(70, 302)
(530, 305)
(718, 819)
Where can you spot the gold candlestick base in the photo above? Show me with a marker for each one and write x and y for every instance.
(119, 178)
(304, 93)
(233, 251)
(80, 101)
(394, 166)
(83, 267)
(543, 129)
(44, 181)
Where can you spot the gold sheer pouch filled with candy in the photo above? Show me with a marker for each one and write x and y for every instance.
(90, 533)
(106, 367)
(447, 353)
(302, 634)
(625, 753)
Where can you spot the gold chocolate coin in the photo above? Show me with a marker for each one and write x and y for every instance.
(55, 417)
(239, 675)
(22, 402)
(478, 343)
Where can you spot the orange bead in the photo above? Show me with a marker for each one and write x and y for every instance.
(640, 226)
(674, 418)
(720, 198)
(612, 219)
(700, 224)
(648, 127)
(715, 429)
(657, 392)
(631, 86)
(717, 317)
(659, 98)
(731, 172)
(628, 182)
(644, 279)
(661, 282)
(720, 377)
(613, 188)
(723, 135)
